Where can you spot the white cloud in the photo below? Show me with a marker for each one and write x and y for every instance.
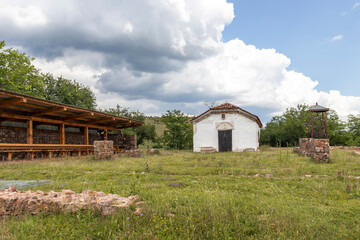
(164, 55)
(337, 37)
(356, 5)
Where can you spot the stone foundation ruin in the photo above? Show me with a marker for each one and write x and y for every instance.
(13, 202)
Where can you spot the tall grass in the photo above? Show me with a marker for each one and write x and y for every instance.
(272, 194)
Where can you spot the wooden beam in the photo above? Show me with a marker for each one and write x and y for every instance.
(103, 120)
(53, 121)
(6, 146)
(29, 134)
(81, 115)
(49, 110)
(118, 123)
(11, 102)
(62, 133)
(36, 101)
(105, 135)
(127, 126)
(86, 135)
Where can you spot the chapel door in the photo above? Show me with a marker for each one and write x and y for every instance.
(225, 140)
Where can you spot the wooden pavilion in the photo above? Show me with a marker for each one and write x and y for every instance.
(34, 112)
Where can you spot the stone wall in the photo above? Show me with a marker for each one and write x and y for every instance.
(318, 149)
(127, 142)
(40, 136)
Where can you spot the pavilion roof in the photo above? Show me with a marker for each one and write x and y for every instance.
(18, 107)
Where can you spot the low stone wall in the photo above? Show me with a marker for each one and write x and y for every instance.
(13, 202)
(318, 149)
(127, 142)
(345, 148)
(103, 149)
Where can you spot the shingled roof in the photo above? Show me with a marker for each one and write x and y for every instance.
(229, 107)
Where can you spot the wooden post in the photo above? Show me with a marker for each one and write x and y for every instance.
(30, 132)
(62, 133)
(10, 156)
(105, 134)
(86, 135)
(326, 133)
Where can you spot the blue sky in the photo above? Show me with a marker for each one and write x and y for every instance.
(303, 31)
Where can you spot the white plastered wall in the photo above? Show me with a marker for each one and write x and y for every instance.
(245, 132)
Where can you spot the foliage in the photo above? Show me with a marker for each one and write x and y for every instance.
(68, 92)
(354, 130)
(285, 130)
(143, 133)
(178, 133)
(17, 74)
(273, 194)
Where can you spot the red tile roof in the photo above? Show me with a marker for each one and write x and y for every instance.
(229, 106)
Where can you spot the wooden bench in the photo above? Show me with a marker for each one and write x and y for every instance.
(31, 149)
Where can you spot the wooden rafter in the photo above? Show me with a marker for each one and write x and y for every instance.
(103, 120)
(49, 110)
(37, 109)
(81, 115)
(46, 120)
(118, 123)
(11, 102)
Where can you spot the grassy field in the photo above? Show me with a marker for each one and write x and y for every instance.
(272, 194)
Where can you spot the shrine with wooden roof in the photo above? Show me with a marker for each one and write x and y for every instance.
(226, 128)
(32, 127)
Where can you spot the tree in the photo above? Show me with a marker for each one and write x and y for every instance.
(68, 92)
(354, 130)
(17, 74)
(178, 133)
(143, 133)
(285, 130)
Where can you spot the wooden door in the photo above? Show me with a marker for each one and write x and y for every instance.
(225, 140)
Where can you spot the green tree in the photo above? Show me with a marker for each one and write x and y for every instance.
(353, 125)
(18, 74)
(143, 133)
(285, 130)
(178, 133)
(68, 92)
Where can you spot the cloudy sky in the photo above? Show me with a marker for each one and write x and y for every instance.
(154, 55)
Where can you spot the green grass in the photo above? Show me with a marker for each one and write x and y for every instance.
(200, 196)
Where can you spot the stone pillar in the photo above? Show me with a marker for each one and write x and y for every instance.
(103, 149)
(305, 147)
(320, 150)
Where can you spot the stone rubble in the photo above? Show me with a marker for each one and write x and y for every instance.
(14, 202)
